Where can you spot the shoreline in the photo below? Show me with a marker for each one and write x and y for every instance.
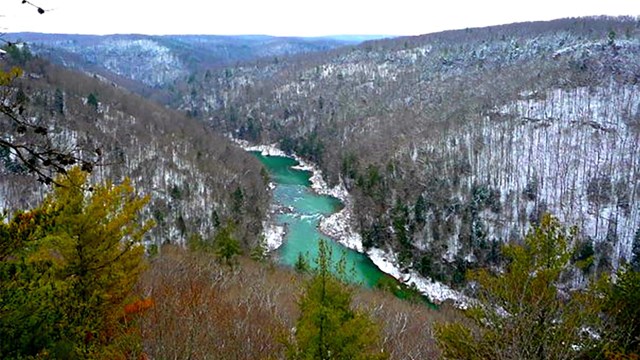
(338, 227)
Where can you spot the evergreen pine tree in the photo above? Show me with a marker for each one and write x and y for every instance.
(328, 328)
(93, 101)
(621, 336)
(420, 210)
(259, 252)
(226, 247)
(69, 272)
(302, 264)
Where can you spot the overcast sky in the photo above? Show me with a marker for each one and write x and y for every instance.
(290, 17)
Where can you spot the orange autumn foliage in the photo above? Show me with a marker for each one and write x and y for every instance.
(139, 306)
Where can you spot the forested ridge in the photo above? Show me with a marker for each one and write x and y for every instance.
(192, 174)
(169, 58)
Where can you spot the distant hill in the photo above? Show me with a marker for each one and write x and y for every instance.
(355, 39)
(158, 61)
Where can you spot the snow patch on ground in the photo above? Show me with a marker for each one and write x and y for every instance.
(274, 235)
(338, 226)
(436, 291)
(265, 150)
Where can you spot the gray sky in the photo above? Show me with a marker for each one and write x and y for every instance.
(291, 17)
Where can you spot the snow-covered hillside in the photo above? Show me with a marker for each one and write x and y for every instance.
(454, 142)
(196, 179)
(571, 152)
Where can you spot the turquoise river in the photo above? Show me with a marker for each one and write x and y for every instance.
(304, 211)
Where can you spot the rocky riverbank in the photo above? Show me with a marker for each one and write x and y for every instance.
(339, 227)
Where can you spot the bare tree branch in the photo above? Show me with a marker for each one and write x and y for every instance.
(39, 9)
(31, 143)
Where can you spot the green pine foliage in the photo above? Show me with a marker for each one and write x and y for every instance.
(302, 263)
(519, 314)
(18, 54)
(584, 256)
(226, 246)
(92, 100)
(67, 272)
(260, 252)
(635, 252)
(196, 243)
(622, 333)
(328, 327)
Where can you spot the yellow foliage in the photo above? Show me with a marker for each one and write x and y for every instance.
(7, 77)
(612, 355)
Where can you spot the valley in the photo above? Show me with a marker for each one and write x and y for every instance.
(168, 59)
(449, 144)
(489, 169)
(453, 143)
(189, 171)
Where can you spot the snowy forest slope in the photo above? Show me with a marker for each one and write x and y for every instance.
(197, 180)
(454, 142)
